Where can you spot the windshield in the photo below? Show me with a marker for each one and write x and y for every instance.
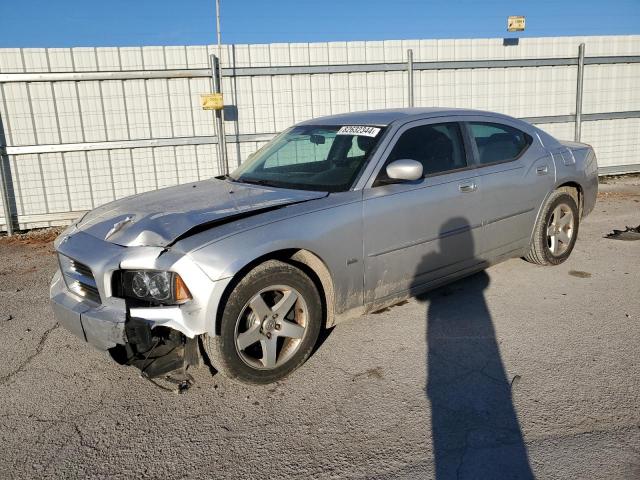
(311, 157)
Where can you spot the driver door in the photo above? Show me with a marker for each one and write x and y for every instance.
(415, 233)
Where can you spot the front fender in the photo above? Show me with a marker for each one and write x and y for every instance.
(333, 234)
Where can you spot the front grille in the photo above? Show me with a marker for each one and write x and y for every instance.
(79, 278)
(81, 268)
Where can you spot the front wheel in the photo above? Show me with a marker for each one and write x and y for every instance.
(556, 230)
(269, 326)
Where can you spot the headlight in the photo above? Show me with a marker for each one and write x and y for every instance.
(153, 286)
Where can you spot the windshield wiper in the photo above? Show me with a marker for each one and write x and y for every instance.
(228, 177)
(255, 181)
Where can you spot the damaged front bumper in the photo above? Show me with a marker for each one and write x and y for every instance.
(157, 339)
(129, 340)
(102, 326)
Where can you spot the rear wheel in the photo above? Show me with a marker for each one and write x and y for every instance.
(556, 230)
(269, 326)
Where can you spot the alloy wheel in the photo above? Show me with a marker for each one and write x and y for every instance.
(560, 229)
(271, 326)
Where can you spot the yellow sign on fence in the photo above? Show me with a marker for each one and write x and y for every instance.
(515, 23)
(212, 101)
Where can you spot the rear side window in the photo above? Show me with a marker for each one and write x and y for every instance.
(497, 142)
(438, 147)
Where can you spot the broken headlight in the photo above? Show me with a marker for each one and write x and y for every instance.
(156, 287)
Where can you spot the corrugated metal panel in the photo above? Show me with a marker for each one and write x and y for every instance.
(78, 176)
(95, 111)
(562, 131)
(616, 142)
(611, 88)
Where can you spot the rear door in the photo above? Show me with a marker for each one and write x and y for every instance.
(417, 232)
(516, 174)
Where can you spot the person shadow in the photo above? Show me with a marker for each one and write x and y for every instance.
(474, 425)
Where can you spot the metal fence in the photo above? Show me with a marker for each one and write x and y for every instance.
(81, 127)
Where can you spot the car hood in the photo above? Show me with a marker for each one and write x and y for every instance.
(161, 217)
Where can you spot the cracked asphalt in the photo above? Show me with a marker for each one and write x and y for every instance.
(517, 372)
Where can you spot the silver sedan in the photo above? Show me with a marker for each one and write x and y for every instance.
(335, 217)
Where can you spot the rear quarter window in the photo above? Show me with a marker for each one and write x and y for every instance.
(497, 142)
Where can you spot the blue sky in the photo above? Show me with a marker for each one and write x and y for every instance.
(67, 23)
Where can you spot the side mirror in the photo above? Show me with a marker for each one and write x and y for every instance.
(404, 169)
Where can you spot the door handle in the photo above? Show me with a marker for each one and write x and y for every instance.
(542, 170)
(467, 187)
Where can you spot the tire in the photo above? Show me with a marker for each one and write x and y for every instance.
(556, 229)
(269, 326)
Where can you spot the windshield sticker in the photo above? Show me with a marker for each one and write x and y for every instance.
(361, 130)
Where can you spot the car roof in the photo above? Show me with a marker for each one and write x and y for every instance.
(387, 116)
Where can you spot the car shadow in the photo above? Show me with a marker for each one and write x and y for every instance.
(474, 425)
(322, 337)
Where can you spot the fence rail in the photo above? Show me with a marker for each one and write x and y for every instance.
(311, 69)
(71, 140)
(258, 137)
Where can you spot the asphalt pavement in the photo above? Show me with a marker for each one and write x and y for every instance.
(517, 372)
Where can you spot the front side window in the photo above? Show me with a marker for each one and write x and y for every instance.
(311, 157)
(439, 147)
(497, 142)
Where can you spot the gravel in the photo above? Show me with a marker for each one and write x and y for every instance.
(518, 371)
